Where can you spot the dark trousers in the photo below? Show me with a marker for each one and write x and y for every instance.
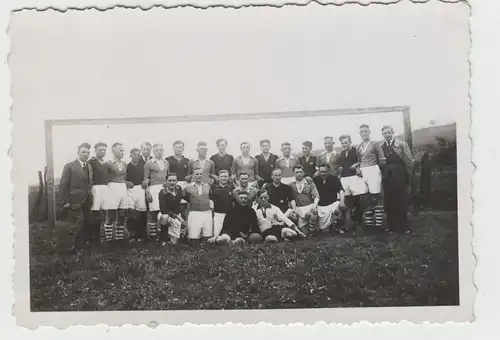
(86, 230)
(396, 203)
(137, 224)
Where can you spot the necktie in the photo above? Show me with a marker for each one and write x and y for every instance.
(86, 168)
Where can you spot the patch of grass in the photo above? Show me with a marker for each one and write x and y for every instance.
(420, 269)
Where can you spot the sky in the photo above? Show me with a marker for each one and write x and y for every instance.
(184, 61)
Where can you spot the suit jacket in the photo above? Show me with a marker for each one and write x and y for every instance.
(403, 169)
(75, 184)
(334, 162)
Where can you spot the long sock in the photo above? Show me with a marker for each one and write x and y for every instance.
(369, 218)
(379, 216)
(152, 230)
(119, 231)
(108, 232)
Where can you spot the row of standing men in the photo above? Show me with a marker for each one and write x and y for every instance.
(113, 190)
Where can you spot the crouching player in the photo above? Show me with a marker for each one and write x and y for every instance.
(137, 197)
(274, 226)
(117, 200)
(155, 172)
(170, 218)
(305, 200)
(331, 197)
(199, 220)
(239, 223)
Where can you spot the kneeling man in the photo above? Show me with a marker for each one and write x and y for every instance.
(305, 200)
(274, 226)
(331, 197)
(239, 222)
(170, 218)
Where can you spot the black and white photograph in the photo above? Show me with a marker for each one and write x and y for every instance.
(312, 160)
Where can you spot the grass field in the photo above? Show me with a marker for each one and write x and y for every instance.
(419, 269)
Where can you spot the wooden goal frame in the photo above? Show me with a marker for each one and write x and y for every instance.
(49, 124)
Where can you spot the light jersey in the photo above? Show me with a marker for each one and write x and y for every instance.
(269, 216)
(286, 166)
(156, 171)
(198, 196)
(249, 165)
(369, 154)
(206, 164)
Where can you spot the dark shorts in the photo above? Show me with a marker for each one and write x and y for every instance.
(275, 231)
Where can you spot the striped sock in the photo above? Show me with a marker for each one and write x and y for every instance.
(368, 218)
(108, 232)
(152, 229)
(379, 216)
(119, 230)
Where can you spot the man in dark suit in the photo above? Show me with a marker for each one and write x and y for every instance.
(76, 195)
(145, 153)
(396, 175)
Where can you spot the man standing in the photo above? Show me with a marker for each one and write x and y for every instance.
(222, 160)
(75, 186)
(305, 200)
(178, 164)
(353, 185)
(308, 161)
(280, 195)
(117, 202)
(266, 162)
(371, 158)
(331, 197)
(329, 156)
(244, 185)
(170, 217)
(199, 221)
(240, 222)
(155, 173)
(137, 197)
(145, 152)
(202, 162)
(222, 196)
(287, 163)
(99, 189)
(246, 164)
(396, 174)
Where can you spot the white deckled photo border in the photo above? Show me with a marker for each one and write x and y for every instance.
(309, 316)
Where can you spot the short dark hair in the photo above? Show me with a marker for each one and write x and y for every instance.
(116, 144)
(276, 169)
(242, 192)
(134, 150)
(197, 168)
(285, 144)
(298, 166)
(98, 144)
(84, 145)
(202, 143)
(265, 141)
(223, 171)
(308, 144)
(344, 137)
(170, 175)
(178, 142)
(220, 140)
(242, 174)
(328, 137)
(324, 165)
(262, 191)
(146, 144)
(387, 127)
(364, 126)
(243, 143)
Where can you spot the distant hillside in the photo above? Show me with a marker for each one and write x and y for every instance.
(422, 138)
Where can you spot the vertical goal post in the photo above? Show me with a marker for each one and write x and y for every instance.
(49, 124)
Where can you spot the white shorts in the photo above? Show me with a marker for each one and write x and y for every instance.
(183, 185)
(137, 198)
(218, 222)
(287, 180)
(304, 215)
(154, 190)
(99, 197)
(373, 178)
(117, 196)
(174, 224)
(325, 214)
(200, 223)
(354, 185)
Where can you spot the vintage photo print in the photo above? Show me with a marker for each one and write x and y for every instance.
(295, 164)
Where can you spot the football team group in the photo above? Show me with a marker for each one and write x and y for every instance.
(225, 199)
